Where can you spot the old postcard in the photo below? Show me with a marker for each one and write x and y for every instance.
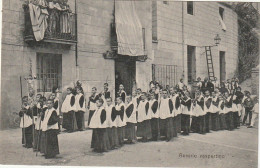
(129, 83)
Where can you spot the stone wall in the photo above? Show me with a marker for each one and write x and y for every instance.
(15, 60)
(197, 30)
(94, 23)
(94, 26)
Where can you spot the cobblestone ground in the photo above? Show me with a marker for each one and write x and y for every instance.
(237, 149)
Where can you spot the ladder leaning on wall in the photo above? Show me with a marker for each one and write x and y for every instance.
(209, 59)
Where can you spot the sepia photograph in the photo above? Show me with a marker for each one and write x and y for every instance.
(129, 83)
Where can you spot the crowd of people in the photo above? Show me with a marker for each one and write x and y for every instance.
(161, 113)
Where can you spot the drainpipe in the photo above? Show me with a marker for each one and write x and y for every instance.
(183, 45)
(76, 46)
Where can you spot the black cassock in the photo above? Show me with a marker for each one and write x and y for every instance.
(144, 129)
(166, 125)
(27, 133)
(175, 118)
(208, 121)
(38, 133)
(69, 119)
(222, 118)
(50, 145)
(236, 118)
(185, 118)
(100, 140)
(80, 115)
(92, 99)
(155, 123)
(200, 123)
(121, 130)
(215, 116)
(229, 115)
(36, 112)
(130, 133)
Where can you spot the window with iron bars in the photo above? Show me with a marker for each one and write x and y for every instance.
(49, 71)
(164, 74)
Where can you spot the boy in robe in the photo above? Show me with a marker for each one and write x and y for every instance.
(26, 123)
(68, 109)
(157, 90)
(121, 93)
(222, 113)
(208, 110)
(120, 120)
(176, 109)
(50, 129)
(198, 119)
(160, 94)
(165, 113)
(229, 111)
(111, 124)
(248, 105)
(92, 102)
(215, 114)
(56, 106)
(240, 97)
(106, 92)
(144, 125)
(35, 110)
(98, 123)
(154, 111)
(80, 108)
(130, 111)
(41, 136)
(178, 112)
(186, 112)
(236, 118)
(137, 98)
(42, 107)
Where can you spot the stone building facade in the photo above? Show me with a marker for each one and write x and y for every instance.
(178, 34)
(170, 33)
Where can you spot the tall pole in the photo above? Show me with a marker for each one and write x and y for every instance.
(21, 86)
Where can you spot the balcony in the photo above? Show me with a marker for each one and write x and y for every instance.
(55, 32)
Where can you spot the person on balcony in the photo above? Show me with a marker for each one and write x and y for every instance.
(65, 15)
(54, 7)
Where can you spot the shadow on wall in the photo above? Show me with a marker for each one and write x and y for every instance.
(10, 102)
(5, 111)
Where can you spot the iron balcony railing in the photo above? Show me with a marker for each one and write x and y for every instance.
(57, 31)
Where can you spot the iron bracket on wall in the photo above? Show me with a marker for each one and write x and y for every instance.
(110, 55)
(142, 58)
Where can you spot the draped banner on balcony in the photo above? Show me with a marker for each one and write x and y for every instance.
(222, 23)
(39, 21)
(128, 29)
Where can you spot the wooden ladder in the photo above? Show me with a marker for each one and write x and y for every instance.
(210, 63)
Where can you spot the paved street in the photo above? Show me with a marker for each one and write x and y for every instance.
(235, 148)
